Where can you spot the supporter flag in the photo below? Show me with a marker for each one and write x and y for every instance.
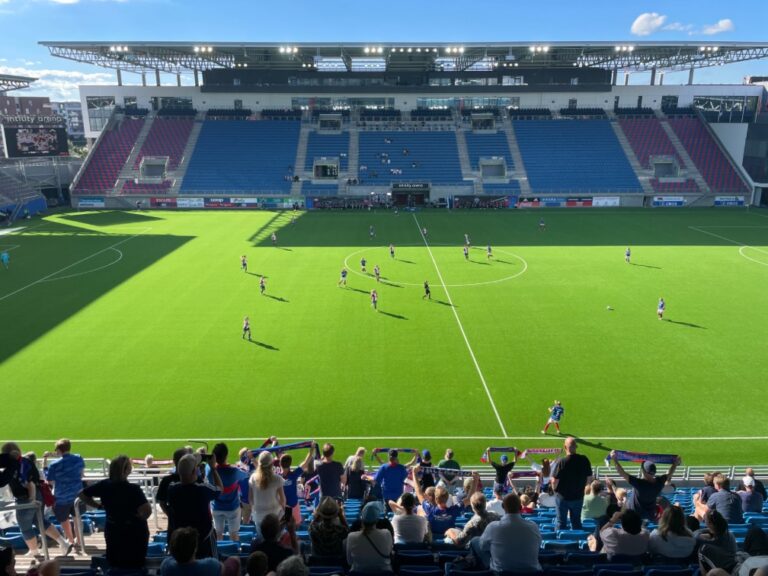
(627, 456)
(400, 450)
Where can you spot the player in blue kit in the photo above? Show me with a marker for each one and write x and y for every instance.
(262, 285)
(343, 279)
(427, 291)
(555, 413)
(466, 252)
(246, 327)
(362, 264)
(542, 224)
(627, 255)
(375, 300)
(244, 263)
(5, 259)
(660, 308)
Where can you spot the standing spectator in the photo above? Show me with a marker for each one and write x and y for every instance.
(511, 544)
(126, 532)
(359, 453)
(66, 476)
(759, 486)
(291, 480)
(269, 541)
(426, 479)
(449, 479)
(23, 478)
(265, 490)
(647, 487)
(331, 473)
(476, 525)
(572, 473)
(370, 549)
(328, 530)
(440, 515)
(497, 504)
(183, 559)
(167, 480)
(751, 499)
(390, 477)
(226, 507)
(356, 479)
(246, 465)
(725, 501)
(189, 503)
(672, 540)
(629, 540)
(502, 470)
(595, 504)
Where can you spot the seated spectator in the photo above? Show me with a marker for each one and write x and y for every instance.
(759, 486)
(497, 504)
(477, 524)
(751, 499)
(672, 540)
(370, 549)
(441, 515)
(409, 527)
(629, 540)
(595, 504)
(717, 543)
(293, 566)
(511, 544)
(528, 506)
(756, 545)
(701, 497)
(268, 542)
(328, 529)
(257, 564)
(182, 561)
(726, 502)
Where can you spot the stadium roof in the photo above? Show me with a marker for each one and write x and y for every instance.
(181, 57)
(8, 82)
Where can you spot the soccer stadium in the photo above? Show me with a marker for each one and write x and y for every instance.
(494, 273)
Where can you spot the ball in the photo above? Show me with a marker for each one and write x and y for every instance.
(608, 308)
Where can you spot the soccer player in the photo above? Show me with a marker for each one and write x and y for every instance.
(5, 259)
(466, 252)
(627, 255)
(424, 231)
(274, 239)
(489, 252)
(377, 273)
(660, 309)
(372, 231)
(392, 250)
(262, 285)
(375, 300)
(246, 328)
(542, 224)
(343, 279)
(427, 292)
(555, 413)
(362, 264)
(244, 263)
(466, 240)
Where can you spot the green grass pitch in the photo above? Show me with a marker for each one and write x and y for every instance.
(127, 326)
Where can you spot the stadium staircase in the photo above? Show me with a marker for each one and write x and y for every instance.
(354, 155)
(181, 169)
(129, 170)
(643, 175)
(514, 149)
(301, 158)
(466, 166)
(19, 195)
(690, 166)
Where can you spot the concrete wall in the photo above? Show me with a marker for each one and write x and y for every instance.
(733, 137)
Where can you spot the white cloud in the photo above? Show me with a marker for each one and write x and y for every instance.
(678, 27)
(65, 1)
(724, 25)
(4, 2)
(647, 23)
(58, 84)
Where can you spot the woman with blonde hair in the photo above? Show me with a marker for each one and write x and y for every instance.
(357, 479)
(265, 490)
(359, 453)
(595, 504)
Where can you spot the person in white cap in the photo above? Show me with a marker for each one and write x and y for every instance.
(751, 499)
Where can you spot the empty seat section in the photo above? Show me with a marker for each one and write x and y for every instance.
(703, 150)
(574, 156)
(647, 138)
(310, 189)
(243, 155)
(131, 187)
(431, 156)
(513, 187)
(109, 156)
(688, 185)
(481, 145)
(167, 137)
(329, 145)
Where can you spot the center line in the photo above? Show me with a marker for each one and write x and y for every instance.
(461, 328)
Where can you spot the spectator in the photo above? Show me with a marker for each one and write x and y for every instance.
(751, 499)
(571, 474)
(544, 477)
(759, 486)
(23, 478)
(391, 477)
(257, 564)
(189, 503)
(426, 479)
(328, 529)
(265, 490)
(291, 480)
(126, 532)
(248, 467)
(647, 487)
(527, 504)
(370, 550)
(166, 481)
(672, 540)
(717, 545)
(497, 504)
(293, 566)
(595, 504)
(449, 479)
(356, 479)
(359, 453)
(476, 525)
(66, 476)
(725, 501)
(511, 544)
(183, 560)
(701, 497)
(7, 562)
(226, 507)
(410, 528)
(502, 470)
(269, 541)
(440, 515)
(629, 540)
(331, 473)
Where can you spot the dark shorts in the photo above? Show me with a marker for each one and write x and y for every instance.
(62, 512)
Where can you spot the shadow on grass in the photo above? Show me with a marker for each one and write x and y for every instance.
(405, 261)
(645, 266)
(111, 218)
(689, 324)
(366, 292)
(503, 262)
(444, 303)
(256, 274)
(481, 263)
(277, 298)
(391, 284)
(584, 441)
(391, 315)
(264, 345)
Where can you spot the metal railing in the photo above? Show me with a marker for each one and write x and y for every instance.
(6, 506)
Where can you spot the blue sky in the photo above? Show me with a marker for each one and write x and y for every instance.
(25, 22)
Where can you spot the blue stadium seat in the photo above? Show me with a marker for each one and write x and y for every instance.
(227, 548)
(320, 144)
(480, 145)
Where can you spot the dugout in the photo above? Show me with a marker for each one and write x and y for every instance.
(325, 168)
(410, 194)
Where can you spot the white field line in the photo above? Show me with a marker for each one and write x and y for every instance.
(342, 438)
(44, 278)
(731, 240)
(461, 328)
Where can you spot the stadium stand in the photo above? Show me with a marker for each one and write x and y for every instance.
(583, 112)
(228, 113)
(705, 153)
(688, 185)
(329, 145)
(132, 187)
(633, 112)
(480, 145)
(431, 156)
(318, 189)
(174, 112)
(374, 115)
(647, 138)
(240, 155)
(529, 113)
(512, 187)
(274, 114)
(574, 155)
(429, 114)
(167, 137)
(109, 156)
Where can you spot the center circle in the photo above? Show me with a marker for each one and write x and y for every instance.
(463, 285)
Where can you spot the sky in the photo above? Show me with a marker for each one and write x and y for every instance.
(23, 23)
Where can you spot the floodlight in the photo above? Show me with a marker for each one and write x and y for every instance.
(545, 49)
(410, 49)
(366, 49)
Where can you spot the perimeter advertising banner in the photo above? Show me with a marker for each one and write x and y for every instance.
(555, 202)
(251, 203)
(90, 202)
(606, 201)
(729, 200)
(162, 202)
(659, 201)
(190, 203)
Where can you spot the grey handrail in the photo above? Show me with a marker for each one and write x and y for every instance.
(36, 505)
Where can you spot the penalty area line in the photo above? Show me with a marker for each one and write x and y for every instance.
(461, 328)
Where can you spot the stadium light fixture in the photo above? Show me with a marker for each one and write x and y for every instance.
(543, 49)
(410, 49)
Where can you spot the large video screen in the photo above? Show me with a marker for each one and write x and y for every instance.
(35, 141)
